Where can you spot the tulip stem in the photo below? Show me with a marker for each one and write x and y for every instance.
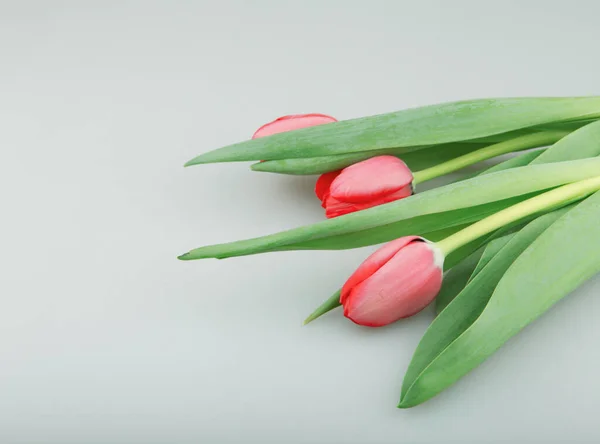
(553, 199)
(528, 141)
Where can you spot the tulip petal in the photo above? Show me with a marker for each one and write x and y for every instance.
(323, 184)
(334, 207)
(402, 193)
(292, 122)
(374, 262)
(371, 179)
(403, 286)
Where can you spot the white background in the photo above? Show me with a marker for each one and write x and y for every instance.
(107, 338)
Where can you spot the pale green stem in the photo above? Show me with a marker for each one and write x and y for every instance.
(543, 202)
(528, 141)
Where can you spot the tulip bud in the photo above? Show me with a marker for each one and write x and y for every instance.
(397, 281)
(293, 122)
(366, 184)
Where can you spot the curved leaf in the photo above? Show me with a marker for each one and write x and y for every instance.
(490, 251)
(416, 161)
(431, 226)
(539, 277)
(457, 278)
(468, 304)
(481, 190)
(515, 162)
(586, 140)
(411, 129)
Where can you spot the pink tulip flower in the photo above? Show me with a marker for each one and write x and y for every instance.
(397, 281)
(293, 122)
(366, 184)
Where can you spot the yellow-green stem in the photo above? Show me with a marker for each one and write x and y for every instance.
(550, 199)
(528, 141)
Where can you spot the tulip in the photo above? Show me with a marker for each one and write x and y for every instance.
(366, 184)
(397, 281)
(293, 122)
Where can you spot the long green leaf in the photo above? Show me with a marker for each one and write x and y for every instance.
(519, 160)
(458, 277)
(515, 162)
(431, 226)
(490, 251)
(422, 379)
(587, 141)
(537, 279)
(478, 191)
(411, 129)
(416, 160)
(580, 144)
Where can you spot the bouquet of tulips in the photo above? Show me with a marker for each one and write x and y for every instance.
(494, 250)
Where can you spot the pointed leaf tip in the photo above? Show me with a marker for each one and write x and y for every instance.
(213, 156)
(453, 121)
(332, 302)
(259, 166)
(402, 405)
(196, 161)
(184, 257)
(312, 317)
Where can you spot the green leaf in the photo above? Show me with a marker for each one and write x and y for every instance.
(444, 345)
(416, 160)
(411, 129)
(490, 251)
(431, 226)
(580, 144)
(332, 302)
(515, 162)
(508, 186)
(457, 278)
